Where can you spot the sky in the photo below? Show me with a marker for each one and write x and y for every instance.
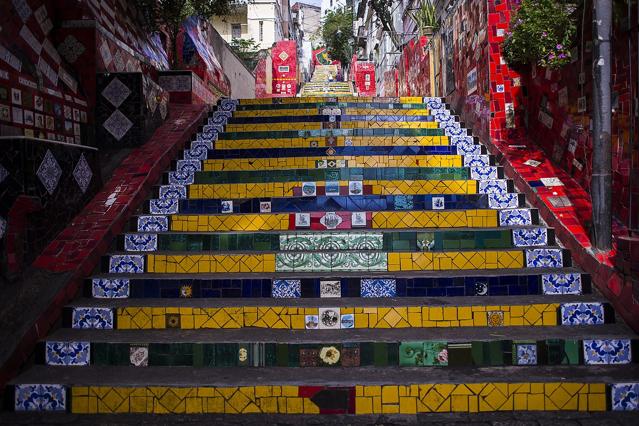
(317, 3)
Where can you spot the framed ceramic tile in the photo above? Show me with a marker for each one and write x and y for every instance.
(139, 355)
(332, 188)
(28, 118)
(329, 318)
(39, 121)
(5, 113)
(265, 206)
(438, 203)
(331, 220)
(311, 322)
(302, 220)
(347, 321)
(358, 219)
(227, 206)
(330, 288)
(18, 115)
(355, 187)
(309, 189)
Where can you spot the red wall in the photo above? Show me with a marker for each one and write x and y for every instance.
(284, 55)
(363, 74)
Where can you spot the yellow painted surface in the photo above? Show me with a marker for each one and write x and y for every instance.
(322, 142)
(321, 99)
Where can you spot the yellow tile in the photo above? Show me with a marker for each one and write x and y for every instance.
(596, 402)
(363, 405)
(372, 390)
(390, 394)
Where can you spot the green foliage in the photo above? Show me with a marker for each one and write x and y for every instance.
(541, 32)
(383, 9)
(247, 50)
(425, 16)
(337, 29)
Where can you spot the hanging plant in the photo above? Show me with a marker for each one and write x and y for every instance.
(541, 32)
(425, 17)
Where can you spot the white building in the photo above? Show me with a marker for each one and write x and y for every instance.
(331, 5)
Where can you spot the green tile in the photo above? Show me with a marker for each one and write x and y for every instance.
(380, 354)
(411, 354)
(226, 354)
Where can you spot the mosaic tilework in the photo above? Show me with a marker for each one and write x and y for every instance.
(330, 241)
(40, 398)
(607, 351)
(140, 317)
(311, 142)
(68, 353)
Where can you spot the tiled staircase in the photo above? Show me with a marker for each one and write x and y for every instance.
(323, 255)
(321, 83)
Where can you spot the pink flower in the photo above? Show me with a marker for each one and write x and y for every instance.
(442, 357)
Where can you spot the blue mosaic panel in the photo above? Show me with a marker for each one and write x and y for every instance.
(378, 287)
(140, 242)
(624, 396)
(582, 313)
(503, 200)
(526, 354)
(168, 206)
(561, 283)
(483, 173)
(181, 178)
(544, 258)
(287, 289)
(527, 237)
(68, 353)
(172, 191)
(100, 318)
(607, 351)
(476, 160)
(515, 217)
(496, 186)
(190, 166)
(153, 224)
(40, 398)
(126, 263)
(110, 288)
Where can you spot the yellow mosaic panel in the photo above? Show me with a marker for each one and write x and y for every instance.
(286, 189)
(321, 142)
(321, 99)
(380, 220)
(387, 111)
(275, 112)
(282, 163)
(244, 222)
(293, 318)
(464, 260)
(281, 127)
(369, 399)
(272, 127)
(219, 263)
(389, 125)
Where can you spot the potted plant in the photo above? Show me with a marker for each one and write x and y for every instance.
(425, 18)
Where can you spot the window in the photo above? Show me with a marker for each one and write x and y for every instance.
(331, 3)
(236, 31)
(261, 30)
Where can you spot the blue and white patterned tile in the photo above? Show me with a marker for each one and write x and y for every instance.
(286, 289)
(495, 186)
(526, 354)
(435, 104)
(569, 283)
(624, 396)
(443, 116)
(589, 313)
(206, 144)
(544, 258)
(503, 201)
(140, 242)
(607, 351)
(68, 353)
(168, 206)
(209, 133)
(462, 140)
(110, 288)
(92, 318)
(378, 287)
(476, 160)
(513, 217)
(451, 125)
(126, 263)
(190, 166)
(172, 192)
(153, 224)
(181, 178)
(200, 152)
(40, 397)
(228, 105)
(457, 131)
(483, 173)
(528, 237)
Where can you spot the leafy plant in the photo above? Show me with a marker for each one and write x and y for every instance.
(541, 32)
(337, 30)
(383, 9)
(425, 16)
(247, 50)
(168, 16)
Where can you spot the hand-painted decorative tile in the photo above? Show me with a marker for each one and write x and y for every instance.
(544, 258)
(209, 134)
(126, 263)
(527, 237)
(153, 224)
(331, 241)
(68, 353)
(495, 318)
(82, 173)
(228, 104)
(181, 178)
(496, 186)
(378, 287)
(331, 288)
(302, 220)
(332, 188)
(168, 206)
(525, 354)
(425, 241)
(462, 140)
(329, 318)
(286, 289)
(476, 160)
(40, 398)
(117, 124)
(186, 291)
(481, 288)
(624, 396)
(331, 261)
(347, 321)
(227, 206)
(515, 217)
(591, 313)
(358, 219)
(569, 283)
(607, 351)
(100, 318)
(404, 202)
(49, 172)
(110, 288)
(503, 201)
(311, 322)
(434, 104)
(443, 116)
(139, 355)
(140, 242)
(331, 220)
(199, 152)
(309, 189)
(438, 203)
(172, 191)
(265, 206)
(205, 144)
(483, 173)
(355, 187)
(190, 166)
(116, 92)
